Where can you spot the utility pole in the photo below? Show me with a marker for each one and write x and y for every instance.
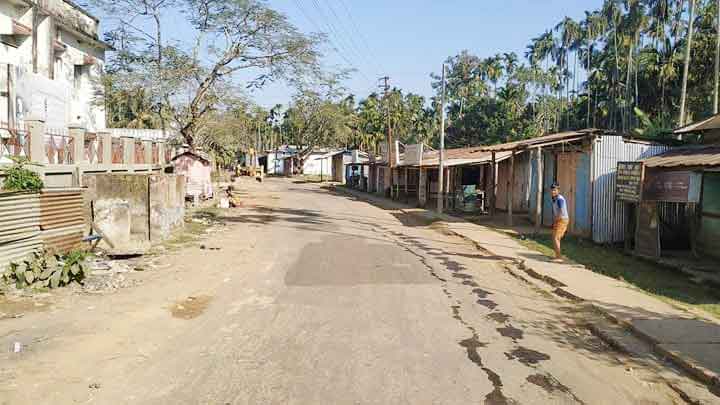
(441, 166)
(389, 141)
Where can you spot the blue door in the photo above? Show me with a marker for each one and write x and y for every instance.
(582, 194)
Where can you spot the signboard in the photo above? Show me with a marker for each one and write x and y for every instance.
(413, 154)
(629, 178)
(672, 186)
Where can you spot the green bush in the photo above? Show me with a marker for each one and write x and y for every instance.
(19, 178)
(51, 271)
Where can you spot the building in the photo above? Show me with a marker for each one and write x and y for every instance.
(679, 207)
(513, 179)
(584, 164)
(318, 162)
(197, 169)
(51, 60)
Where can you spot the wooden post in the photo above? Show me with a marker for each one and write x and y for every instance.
(407, 197)
(493, 183)
(510, 193)
(540, 186)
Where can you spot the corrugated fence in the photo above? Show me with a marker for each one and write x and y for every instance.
(52, 219)
(19, 226)
(61, 219)
(608, 215)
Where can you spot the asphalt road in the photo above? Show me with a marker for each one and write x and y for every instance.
(316, 298)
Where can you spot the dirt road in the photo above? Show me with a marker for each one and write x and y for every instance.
(315, 298)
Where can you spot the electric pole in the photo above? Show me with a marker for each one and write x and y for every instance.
(441, 166)
(389, 141)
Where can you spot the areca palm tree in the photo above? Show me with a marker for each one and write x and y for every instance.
(686, 63)
(593, 27)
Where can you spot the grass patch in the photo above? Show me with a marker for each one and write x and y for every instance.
(663, 282)
(196, 223)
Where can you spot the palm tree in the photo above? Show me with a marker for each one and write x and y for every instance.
(612, 13)
(716, 89)
(593, 28)
(686, 66)
(569, 31)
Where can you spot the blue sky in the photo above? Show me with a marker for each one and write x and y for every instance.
(409, 39)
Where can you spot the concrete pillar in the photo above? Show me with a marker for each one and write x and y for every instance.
(161, 152)
(37, 141)
(106, 151)
(148, 152)
(422, 187)
(77, 134)
(128, 150)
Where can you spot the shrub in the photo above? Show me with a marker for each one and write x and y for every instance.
(44, 270)
(19, 178)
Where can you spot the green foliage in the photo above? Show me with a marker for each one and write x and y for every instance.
(20, 178)
(649, 128)
(48, 271)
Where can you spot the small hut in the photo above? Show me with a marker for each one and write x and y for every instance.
(197, 169)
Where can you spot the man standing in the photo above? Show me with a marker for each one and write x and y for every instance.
(561, 219)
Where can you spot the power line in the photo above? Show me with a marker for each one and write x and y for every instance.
(340, 47)
(360, 35)
(317, 26)
(351, 39)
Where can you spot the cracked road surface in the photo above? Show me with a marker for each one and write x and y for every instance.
(316, 298)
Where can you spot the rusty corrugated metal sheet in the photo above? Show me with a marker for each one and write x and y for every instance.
(704, 125)
(62, 240)
(687, 157)
(543, 140)
(608, 215)
(61, 208)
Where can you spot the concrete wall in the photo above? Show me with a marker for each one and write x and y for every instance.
(167, 205)
(133, 210)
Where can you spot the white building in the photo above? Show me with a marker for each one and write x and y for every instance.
(51, 60)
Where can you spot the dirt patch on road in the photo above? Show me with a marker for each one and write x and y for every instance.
(191, 307)
(17, 308)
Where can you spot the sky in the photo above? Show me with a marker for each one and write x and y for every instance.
(408, 39)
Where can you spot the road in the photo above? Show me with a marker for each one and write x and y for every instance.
(310, 297)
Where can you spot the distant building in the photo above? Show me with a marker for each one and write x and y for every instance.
(197, 169)
(51, 60)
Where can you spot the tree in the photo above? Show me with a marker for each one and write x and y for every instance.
(686, 63)
(229, 36)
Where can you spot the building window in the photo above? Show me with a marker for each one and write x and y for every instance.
(77, 76)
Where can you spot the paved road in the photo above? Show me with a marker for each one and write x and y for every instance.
(316, 298)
